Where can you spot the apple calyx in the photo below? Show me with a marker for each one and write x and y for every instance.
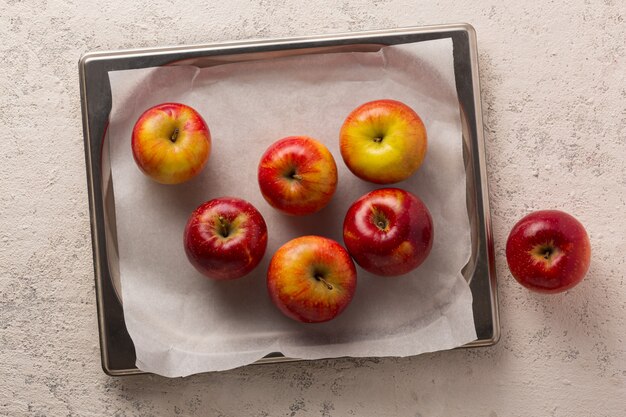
(174, 135)
(546, 252)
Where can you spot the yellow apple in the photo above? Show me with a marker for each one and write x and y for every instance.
(383, 141)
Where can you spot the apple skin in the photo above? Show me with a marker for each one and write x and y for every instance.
(225, 238)
(311, 279)
(548, 251)
(388, 232)
(297, 175)
(171, 143)
(383, 141)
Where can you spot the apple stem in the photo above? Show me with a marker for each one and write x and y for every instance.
(378, 139)
(328, 285)
(174, 135)
(293, 174)
(224, 229)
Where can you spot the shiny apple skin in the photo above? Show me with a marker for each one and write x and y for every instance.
(294, 288)
(383, 141)
(297, 175)
(227, 257)
(548, 251)
(171, 143)
(388, 232)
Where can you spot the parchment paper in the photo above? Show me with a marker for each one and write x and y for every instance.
(182, 323)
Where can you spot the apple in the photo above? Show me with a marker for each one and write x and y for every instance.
(383, 141)
(297, 175)
(225, 238)
(548, 251)
(388, 232)
(311, 279)
(171, 143)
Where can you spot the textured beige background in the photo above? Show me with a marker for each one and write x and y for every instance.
(554, 95)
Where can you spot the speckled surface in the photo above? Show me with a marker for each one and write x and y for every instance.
(554, 95)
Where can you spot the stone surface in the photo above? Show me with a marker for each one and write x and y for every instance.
(554, 95)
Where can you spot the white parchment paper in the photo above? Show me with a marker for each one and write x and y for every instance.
(182, 323)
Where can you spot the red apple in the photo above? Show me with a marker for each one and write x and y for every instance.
(171, 143)
(388, 232)
(225, 238)
(383, 141)
(297, 175)
(548, 251)
(311, 279)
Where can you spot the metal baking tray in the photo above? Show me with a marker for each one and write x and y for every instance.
(116, 346)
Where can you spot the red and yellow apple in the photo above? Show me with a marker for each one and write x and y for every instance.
(225, 238)
(311, 279)
(548, 251)
(383, 141)
(388, 232)
(171, 143)
(297, 175)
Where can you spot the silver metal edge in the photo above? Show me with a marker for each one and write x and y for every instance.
(138, 52)
(482, 163)
(104, 353)
(86, 58)
(92, 220)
